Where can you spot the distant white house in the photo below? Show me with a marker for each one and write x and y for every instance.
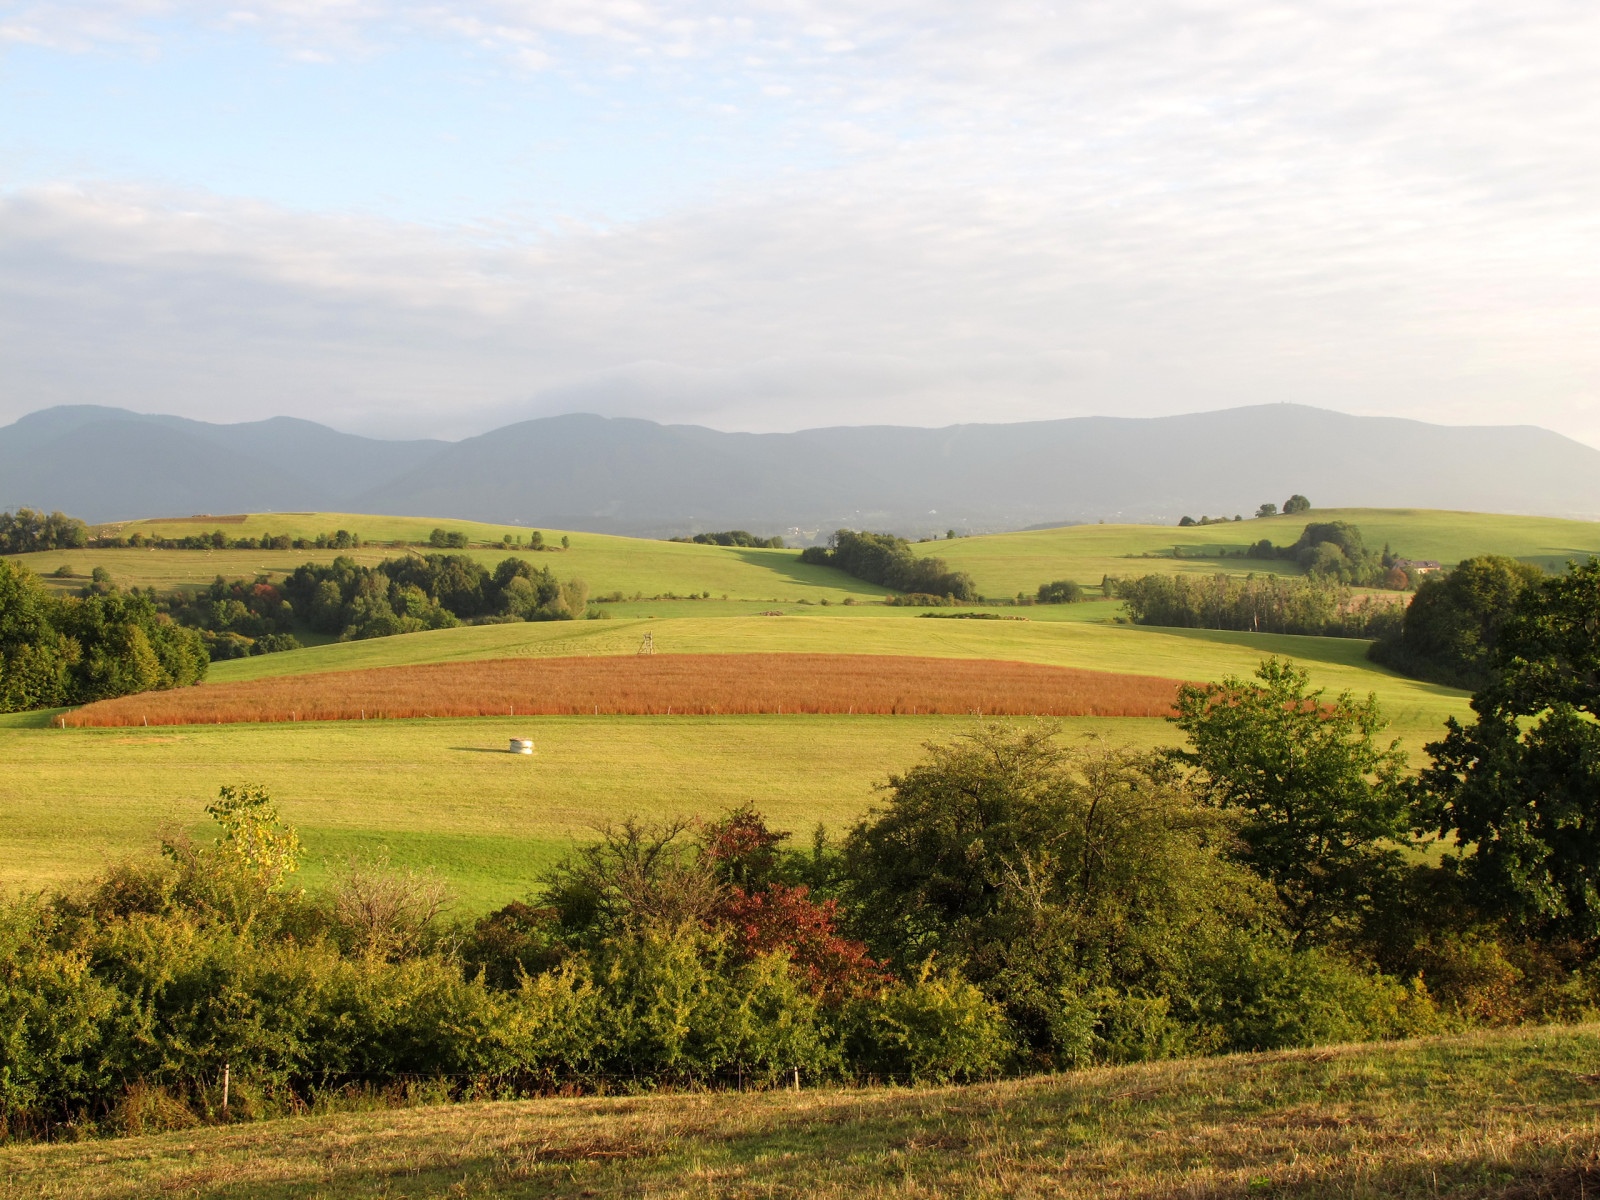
(1419, 565)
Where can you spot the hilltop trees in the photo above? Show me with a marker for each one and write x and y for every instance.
(733, 537)
(1296, 504)
(889, 561)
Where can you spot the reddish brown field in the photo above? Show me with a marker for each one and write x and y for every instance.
(658, 684)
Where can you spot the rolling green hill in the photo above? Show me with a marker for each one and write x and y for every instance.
(608, 564)
(1003, 564)
(1505, 1114)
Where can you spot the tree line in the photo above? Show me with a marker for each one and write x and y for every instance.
(1014, 904)
(26, 532)
(733, 537)
(1257, 604)
(60, 650)
(889, 561)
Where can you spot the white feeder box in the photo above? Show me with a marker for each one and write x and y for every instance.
(522, 745)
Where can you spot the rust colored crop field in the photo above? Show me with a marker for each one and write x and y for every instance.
(687, 684)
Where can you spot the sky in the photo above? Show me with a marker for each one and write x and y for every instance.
(433, 219)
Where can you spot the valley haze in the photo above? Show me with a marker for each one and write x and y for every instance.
(640, 478)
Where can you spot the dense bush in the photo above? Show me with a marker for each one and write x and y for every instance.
(889, 561)
(67, 650)
(1062, 591)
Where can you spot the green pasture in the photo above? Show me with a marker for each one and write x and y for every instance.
(445, 793)
(1003, 564)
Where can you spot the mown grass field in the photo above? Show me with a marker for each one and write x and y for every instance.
(445, 793)
(1005, 563)
(1507, 1114)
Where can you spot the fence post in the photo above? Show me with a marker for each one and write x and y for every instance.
(225, 1080)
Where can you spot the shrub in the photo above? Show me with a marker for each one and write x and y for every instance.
(935, 1028)
(1062, 591)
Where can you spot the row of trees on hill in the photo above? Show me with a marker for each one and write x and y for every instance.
(26, 531)
(1293, 505)
(339, 539)
(1014, 904)
(1257, 604)
(59, 650)
(733, 537)
(889, 561)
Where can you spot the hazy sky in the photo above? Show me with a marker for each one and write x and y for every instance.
(434, 218)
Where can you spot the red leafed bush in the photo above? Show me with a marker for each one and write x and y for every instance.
(786, 918)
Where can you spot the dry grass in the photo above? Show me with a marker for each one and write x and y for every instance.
(663, 684)
(1506, 1115)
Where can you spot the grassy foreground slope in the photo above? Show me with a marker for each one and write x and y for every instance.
(1003, 564)
(1507, 1114)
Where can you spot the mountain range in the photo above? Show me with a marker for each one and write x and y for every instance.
(623, 475)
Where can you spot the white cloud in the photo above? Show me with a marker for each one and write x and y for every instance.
(1038, 211)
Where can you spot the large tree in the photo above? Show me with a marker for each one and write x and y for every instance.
(1324, 810)
(1048, 875)
(1519, 788)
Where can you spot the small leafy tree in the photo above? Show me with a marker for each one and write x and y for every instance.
(1062, 591)
(239, 876)
(1325, 812)
(1296, 504)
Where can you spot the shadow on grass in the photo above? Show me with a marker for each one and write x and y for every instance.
(789, 567)
(39, 718)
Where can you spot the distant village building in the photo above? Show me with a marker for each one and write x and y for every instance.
(1420, 566)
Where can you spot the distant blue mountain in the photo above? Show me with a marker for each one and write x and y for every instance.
(638, 477)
